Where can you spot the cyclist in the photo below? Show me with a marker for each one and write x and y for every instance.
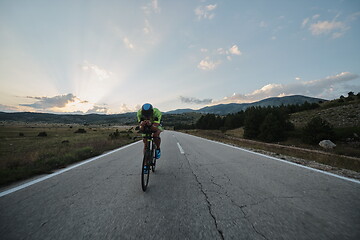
(151, 117)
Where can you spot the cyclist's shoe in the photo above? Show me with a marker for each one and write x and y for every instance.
(157, 153)
(146, 169)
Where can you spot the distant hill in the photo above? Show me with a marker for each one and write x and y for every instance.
(223, 109)
(180, 111)
(169, 118)
(127, 118)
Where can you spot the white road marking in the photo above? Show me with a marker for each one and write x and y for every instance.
(284, 161)
(4, 193)
(180, 148)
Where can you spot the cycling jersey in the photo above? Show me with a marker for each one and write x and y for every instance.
(155, 118)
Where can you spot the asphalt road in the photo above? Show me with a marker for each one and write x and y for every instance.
(201, 190)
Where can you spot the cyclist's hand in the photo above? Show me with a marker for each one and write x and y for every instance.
(147, 123)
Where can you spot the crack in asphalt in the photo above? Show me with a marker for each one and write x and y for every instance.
(207, 201)
(209, 205)
(241, 207)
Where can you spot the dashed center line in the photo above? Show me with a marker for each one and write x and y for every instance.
(180, 148)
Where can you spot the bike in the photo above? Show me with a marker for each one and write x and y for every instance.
(149, 160)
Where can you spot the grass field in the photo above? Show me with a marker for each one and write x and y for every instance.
(23, 153)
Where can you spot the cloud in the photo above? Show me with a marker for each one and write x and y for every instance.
(125, 108)
(326, 27)
(147, 29)
(195, 100)
(152, 7)
(7, 108)
(262, 24)
(127, 43)
(309, 88)
(334, 28)
(222, 51)
(305, 21)
(354, 16)
(206, 64)
(101, 73)
(235, 50)
(205, 12)
(220, 54)
(316, 16)
(98, 109)
(51, 102)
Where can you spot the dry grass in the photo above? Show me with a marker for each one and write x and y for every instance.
(331, 158)
(27, 155)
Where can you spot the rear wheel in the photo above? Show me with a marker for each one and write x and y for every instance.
(145, 174)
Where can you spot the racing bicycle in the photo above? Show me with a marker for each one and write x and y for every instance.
(149, 160)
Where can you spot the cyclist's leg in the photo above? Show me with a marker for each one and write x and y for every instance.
(157, 139)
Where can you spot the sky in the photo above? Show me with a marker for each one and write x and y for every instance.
(111, 56)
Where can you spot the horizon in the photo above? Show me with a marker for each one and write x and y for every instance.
(77, 113)
(80, 57)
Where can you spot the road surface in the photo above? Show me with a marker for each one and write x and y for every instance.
(201, 190)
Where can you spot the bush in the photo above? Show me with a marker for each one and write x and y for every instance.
(317, 130)
(80, 130)
(42, 134)
(115, 134)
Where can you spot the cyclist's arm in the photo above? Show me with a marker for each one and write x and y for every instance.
(157, 116)
(139, 116)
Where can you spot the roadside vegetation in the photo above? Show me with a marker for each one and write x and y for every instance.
(28, 150)
(300, 126)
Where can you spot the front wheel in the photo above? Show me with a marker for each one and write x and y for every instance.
(145, 175)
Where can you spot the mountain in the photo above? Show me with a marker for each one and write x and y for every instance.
(169, 118)
(180, 111)
(223, 109)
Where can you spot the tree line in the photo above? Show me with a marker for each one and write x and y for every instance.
(263, 123)
(270, 124)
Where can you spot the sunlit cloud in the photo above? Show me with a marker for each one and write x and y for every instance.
(127, 43)
(7, 108)
(50, 102)
(205, 12)
(326, 27)
(101, 73)
(206, 64)
(315, 88)
(193, 100)
(98, 109)
(220, 54)
(68, 103)
(235, 50)
(335, 28)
